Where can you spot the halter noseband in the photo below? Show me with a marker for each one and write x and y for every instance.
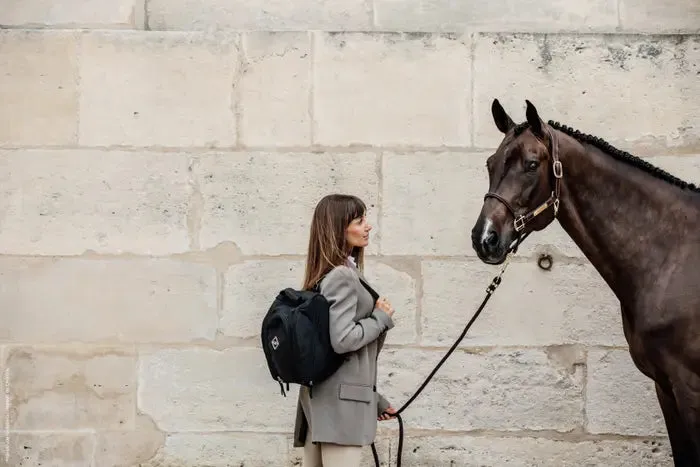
(519, 222)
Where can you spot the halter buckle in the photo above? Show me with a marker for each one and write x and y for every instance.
(558, 169)
(519, 223)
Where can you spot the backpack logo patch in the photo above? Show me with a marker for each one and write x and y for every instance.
(275, 343)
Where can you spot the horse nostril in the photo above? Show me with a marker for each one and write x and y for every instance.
(491, 239)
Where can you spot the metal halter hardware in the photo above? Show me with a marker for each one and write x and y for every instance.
(519, 222)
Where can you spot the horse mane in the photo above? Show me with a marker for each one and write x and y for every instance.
(616, 153)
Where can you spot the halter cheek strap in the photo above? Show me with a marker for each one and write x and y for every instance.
(519, 222)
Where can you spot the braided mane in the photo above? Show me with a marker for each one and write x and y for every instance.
(616, 153)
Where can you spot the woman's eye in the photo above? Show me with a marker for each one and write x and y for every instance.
(531, 165)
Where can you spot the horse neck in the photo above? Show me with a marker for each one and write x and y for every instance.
(625, 221)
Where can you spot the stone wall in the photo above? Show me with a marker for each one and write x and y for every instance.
(160, 163)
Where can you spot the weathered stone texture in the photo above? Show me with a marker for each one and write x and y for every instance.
(620, 399)
(157, 89)
(276, 15)
(71, 389)
(530, 307)
(38, 87)
(650, 105)
(121, 14)
(127, 448)
(199, 389)
(263, 202)
(480, 451)
(660, 16)
(505, 390)
(275, 89)
(120, 300)
(222, 450)
(415, 89)
(60, 449)
(71, 201)
(499, 15)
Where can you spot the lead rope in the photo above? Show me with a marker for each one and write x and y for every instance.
(495, 282)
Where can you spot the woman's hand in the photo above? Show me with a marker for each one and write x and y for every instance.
(384, 305)
(386, 416)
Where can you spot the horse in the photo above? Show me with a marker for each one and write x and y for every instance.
(638, 225)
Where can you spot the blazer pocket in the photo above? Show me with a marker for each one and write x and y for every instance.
(356, 392)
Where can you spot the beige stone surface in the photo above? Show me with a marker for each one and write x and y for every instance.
(59, 449)
(568, 77)
(122, 14)
(200, 389)
(38, 87)
(263, 201)
(665, 16)
(492, 451)
(67, 202)
(250, 15)
(504, 390)
(499, 15)
(569, 304)
(56, 389)
(619, 398)
(392, 89)
(100, 300)
(157, 89)
(126, 448)
(276, 89)
(222, 450)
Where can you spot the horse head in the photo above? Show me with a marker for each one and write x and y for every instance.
(524, 175)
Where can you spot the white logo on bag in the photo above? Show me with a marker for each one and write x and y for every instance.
(275, 343)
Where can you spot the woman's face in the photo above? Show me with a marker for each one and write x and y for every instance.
(357, 233)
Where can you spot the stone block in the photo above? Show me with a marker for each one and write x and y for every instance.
(480, 451)
(275, 89)
(157, 89)
(38, 87)
(660, 16)
(215, 390)
(222, 450)
(277, 15)
(619, 398)
(66, 202)
(505, 390)
(85, 389)
(501, 15)
(651, 105)
(430, 202)
(59, 449)
(531, 307)
(398, 282)
(392, 89)
(121, 14)
(263, 202)
(249, 289)
(126, 448)
(93, 300)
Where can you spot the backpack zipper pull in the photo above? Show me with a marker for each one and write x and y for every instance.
(279, 379)
(311, 389)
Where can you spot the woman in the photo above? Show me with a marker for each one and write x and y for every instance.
(340, 419)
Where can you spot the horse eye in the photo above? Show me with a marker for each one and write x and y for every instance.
(531, 165)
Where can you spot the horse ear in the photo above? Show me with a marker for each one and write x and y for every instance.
(536, 124)
(500, 117)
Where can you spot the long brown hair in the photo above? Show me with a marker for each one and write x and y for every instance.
(327, 244)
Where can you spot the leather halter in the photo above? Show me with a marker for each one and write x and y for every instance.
(519, 222)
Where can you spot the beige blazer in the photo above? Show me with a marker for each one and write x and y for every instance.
(343, 409)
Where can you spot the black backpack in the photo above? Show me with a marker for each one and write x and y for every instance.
(296, 339)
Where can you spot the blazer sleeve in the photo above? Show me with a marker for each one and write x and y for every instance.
(347, 335)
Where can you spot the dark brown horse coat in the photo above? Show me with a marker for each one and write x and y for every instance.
(637, 225)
